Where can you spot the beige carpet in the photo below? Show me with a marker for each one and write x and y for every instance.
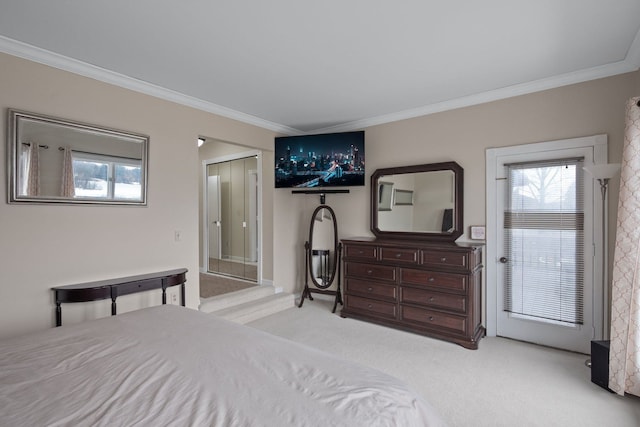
(237, 269)
(211, 285)
(504, 383)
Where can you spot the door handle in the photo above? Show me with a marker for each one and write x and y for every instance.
(504, 260)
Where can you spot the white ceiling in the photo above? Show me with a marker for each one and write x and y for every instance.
(314, 66)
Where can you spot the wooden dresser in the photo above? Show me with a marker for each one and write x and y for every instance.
(432, 289)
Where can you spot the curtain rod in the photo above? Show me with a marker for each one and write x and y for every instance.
(100, 154)
(46, 147)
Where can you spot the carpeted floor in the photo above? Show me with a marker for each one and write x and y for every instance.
(211, 285)
(503, 383)
(247, 271)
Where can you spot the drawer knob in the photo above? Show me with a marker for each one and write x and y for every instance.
(370, 306)
(432, 279)
(430, 318)
(370, 289)
(443, 259)
(398, 255)
(360, 252)
(369, 271)
(432, 299)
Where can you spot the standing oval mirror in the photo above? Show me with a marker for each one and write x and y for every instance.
(323, 247)
(54, 160)
(418, 202)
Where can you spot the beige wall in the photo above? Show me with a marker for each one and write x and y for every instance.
(461, 135)
(44, 246)
(47, 245)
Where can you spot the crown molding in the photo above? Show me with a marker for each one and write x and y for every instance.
(633, 54)
(45, 57)
(32, 53)
(631, 63)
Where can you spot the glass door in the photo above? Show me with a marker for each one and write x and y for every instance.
(232, 218)
(545, 283)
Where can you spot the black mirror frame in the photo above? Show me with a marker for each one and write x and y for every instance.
(430, 167)
(335, 247)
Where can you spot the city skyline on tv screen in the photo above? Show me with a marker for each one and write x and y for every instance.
(316, 161)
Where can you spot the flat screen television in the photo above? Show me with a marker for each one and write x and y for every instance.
(320, 161)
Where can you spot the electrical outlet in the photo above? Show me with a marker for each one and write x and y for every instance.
(174, 299)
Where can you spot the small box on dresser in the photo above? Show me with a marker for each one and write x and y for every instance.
(433, 289)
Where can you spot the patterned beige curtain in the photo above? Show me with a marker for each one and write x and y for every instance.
(624, 357)
(67, 188)
(33, 170)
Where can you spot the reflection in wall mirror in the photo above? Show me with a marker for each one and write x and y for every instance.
(425, 201)
(403, 197)
(385, 195)
(54, 160)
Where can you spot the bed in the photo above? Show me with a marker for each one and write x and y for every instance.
(174, 366)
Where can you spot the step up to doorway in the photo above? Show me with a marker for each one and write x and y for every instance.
(249, 304)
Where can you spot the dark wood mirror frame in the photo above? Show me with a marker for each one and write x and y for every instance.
(458, 212)
(334, 256)
(329, 279)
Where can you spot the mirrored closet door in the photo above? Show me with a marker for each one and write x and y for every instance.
(232, 217)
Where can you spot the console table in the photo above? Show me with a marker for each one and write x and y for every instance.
(113, 288)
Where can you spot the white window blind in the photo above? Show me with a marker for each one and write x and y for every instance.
(544, 241)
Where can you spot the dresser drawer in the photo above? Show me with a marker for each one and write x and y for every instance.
(445, 258)
(361, 251)
(399, 255)
(378, 272)
(447, 281)
(425, 317)
(433, 299)
(371, 289)
(370, 306)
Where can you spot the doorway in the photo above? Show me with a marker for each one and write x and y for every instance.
(232, 216)
(541, 228)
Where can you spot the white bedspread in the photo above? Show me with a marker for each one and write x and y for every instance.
(173, 366)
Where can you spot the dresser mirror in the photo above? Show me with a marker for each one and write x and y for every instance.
(54, 160)
(418, 202)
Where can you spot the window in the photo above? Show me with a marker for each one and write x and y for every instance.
(106, 177)
(544, 223)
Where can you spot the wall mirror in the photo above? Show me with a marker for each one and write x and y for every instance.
(418, 202)
(52, 160)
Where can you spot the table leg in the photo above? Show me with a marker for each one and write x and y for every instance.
(58, 314)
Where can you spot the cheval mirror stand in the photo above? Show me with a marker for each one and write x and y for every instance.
(323, 256)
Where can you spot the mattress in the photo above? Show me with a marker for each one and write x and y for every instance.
(173, 366)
